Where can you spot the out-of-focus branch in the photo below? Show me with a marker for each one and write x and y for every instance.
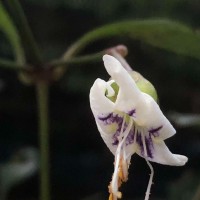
(77, 60)
(25, 32)
(11, 65)
(90, 58)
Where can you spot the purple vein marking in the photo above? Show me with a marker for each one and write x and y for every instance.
(111, 118)
(131, 136)
(117, 133)
(106, 117)
(132, 112)
(149, 146)
(114, 118)
(155, 131)
(139, 141)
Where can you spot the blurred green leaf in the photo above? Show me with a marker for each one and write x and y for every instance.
(22, 165)
(165, 34)
(8, 28)
(185, 120)
(30, 46)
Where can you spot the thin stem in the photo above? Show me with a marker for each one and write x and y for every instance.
(78, 60)
(11, 65)
(42, 97)
(121, 59)
(25, 32)
(76, 47)
(150, 181)
(118, 51)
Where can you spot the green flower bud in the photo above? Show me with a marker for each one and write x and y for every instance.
(143, 84)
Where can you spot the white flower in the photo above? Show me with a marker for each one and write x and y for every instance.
(132, 123)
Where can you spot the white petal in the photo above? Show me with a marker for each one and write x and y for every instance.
(102, 108)
(149, 115)
(161, 154)
(118, 73)
(99, 103)
(110, 90)
(107, 137)
(140, 106)
(129, 94)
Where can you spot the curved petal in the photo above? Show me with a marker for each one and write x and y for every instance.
(129, 94)
(138, 105)
(108, 122)
(99, 103)
(107, 138)
(149, 115)
(161, 154)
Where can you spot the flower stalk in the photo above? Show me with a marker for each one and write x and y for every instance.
(43, 120)
(90, 58)
(119, 52)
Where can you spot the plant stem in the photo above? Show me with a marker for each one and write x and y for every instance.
(78, 60)
(42, 97)
(31, 47)
(7, 64)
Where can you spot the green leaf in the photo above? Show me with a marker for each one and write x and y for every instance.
(162, 33)
(8, 28)
(30, 45)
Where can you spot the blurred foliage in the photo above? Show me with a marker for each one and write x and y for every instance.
(23, 164)
(115, 10)
(164, 34)
(186, 187)
(10, 31)
(185, 120)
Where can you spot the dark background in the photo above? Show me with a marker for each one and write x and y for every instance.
(81, 165)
